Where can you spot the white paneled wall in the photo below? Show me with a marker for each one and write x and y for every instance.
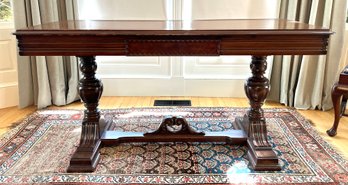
(235, 9)
(175, 76)
(227, 67)
(8, 67)
(122, 9)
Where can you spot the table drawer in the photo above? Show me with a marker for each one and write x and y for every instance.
(160, 47)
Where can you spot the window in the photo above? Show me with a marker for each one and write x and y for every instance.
(175, 76)
(5, 11)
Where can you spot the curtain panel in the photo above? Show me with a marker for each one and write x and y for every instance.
(46, 80)
(305, 82)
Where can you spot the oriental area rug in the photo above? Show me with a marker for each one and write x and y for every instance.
(38, 151)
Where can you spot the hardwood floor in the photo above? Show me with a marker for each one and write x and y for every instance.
(321, 120)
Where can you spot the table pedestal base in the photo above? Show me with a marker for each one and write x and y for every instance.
(262, 157)
(183, 134)
(250, 130)
(86, 157)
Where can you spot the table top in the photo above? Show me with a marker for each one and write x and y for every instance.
(254, 26)
(173, 38)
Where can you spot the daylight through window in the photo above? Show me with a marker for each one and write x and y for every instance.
(5, 11)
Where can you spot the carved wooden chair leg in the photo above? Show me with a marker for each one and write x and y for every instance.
(343, 105)
(336, 95)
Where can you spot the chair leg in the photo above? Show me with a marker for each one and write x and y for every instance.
(336, 97)
(343, 106)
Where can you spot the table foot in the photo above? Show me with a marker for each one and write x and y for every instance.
(85, 159)
(86, 156)
(262, 158)
(260, 153)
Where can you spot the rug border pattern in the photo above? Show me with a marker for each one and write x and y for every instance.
(157, 179)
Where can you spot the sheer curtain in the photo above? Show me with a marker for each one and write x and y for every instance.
(45, 80)
(305, 82)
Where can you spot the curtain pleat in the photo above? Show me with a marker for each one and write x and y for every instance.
(46, 80)
(305, 82)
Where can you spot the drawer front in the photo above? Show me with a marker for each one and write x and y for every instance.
(142, 47)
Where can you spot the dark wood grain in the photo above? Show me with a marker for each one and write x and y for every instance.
(105, 44)
(260, 153)
(216, 27)
(258, 38)
(112, 138)
(86, 156)
(237, 37)
(173, 47)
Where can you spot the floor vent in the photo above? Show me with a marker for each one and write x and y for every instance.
(172, 103)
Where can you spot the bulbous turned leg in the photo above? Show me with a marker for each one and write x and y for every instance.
(260, 154)
(87, 154)
(336, 95)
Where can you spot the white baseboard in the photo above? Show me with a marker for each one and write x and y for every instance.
(8, 95)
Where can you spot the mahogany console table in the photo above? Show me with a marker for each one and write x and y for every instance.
(258, 38)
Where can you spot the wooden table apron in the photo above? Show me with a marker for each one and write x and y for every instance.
(258, 38)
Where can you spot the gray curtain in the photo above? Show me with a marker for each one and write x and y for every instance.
(305, 82)
(44, 81)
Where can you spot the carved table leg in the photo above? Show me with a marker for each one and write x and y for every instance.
(336, 95)
(87, 154)
(260, 154)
